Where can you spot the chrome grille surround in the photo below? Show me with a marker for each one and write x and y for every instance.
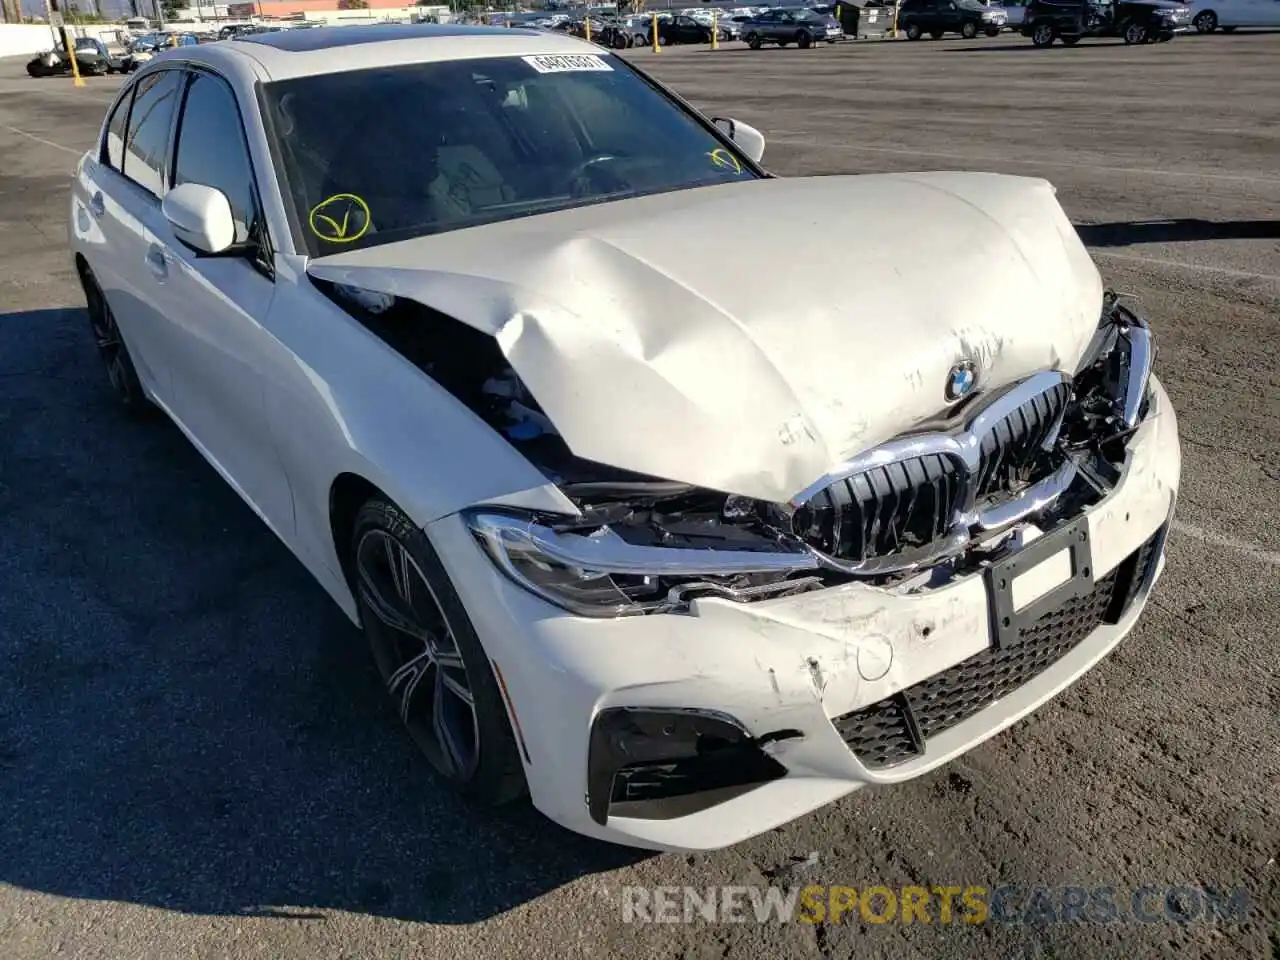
(1024, 419)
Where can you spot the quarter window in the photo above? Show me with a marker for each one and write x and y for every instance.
(212, 149)
(116, 130)
(149, 123)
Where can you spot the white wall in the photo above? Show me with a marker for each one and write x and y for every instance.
(28, 39)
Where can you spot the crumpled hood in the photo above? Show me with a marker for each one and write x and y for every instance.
(750, 337)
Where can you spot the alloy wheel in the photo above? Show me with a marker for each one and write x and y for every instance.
(1206, 22)
(418, 656)
(111, 348)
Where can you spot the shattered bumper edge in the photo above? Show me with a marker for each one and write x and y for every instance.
(778, 665)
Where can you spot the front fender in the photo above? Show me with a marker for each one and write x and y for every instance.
(348, 403)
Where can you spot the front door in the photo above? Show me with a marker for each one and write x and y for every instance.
(215, 305)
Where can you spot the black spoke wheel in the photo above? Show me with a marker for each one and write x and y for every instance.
(430, 658)
(121, 373)
(1206, 22)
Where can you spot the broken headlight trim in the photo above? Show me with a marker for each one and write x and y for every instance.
(599, 574)
(1123, 338)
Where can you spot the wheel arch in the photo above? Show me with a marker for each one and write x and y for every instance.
(347, 494)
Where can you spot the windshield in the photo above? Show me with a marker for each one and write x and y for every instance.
(372, 156)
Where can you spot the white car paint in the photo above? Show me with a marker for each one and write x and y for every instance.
(784, 413)
(627, 322)
(1238, 13)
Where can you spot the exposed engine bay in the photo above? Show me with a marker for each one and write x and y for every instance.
(891, 526)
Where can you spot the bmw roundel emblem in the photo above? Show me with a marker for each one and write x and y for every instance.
(961, 380)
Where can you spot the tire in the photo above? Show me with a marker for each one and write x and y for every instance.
(935, 34)
(1206, 22)
(33, 70)
(753, 41)
(391, 559)
(619, 42)
(1043, 35)
(969, 30)
(122, 375)
(1135, 32)
(913, 31)
(803, 40)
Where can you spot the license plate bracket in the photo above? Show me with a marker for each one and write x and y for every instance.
(1008, 624)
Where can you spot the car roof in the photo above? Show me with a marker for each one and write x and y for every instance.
(301, 53)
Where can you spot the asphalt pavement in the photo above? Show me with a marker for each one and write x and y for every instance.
(195, 758)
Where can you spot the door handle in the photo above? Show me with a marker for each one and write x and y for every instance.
(97, 206)
(158, 262)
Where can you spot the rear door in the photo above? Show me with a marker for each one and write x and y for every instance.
(1266, 12)
(122, 192)
(949, 15)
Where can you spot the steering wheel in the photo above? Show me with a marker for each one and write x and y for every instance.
(582, 175)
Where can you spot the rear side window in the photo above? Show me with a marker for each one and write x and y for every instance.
(212, 149)
(150, 121)
(115, 133)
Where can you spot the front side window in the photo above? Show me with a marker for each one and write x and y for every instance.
(375, 155)
(148, 133)
(212, 151)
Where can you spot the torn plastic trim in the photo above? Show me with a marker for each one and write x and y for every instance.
(1141, 362)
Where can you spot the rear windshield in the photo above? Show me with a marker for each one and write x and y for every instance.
(372, 156)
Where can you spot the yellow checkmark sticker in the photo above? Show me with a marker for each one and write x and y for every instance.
(342, 218)
(720, 157)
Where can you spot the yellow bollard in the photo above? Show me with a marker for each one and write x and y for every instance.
(893, 31)
(71, 52)
(657, 47)
(715, 29)
(587, 22)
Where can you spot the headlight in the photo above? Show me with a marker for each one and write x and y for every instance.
(1123, 343)
(599, 574)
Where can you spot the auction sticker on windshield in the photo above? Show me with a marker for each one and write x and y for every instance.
(566, 63)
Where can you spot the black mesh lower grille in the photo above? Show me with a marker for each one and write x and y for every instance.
(896, 729)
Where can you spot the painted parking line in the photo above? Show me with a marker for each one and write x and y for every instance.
(1102, 168)
(1212, 538)
(1183, 265)
(47, 143)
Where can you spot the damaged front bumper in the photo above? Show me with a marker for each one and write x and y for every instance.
(699, 729)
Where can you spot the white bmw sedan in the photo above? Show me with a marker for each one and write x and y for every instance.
(679, 550)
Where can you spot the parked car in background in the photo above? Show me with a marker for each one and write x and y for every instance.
(786, 25)
(1014, 11)
(1226, 15)
(1137, 21)
(939, 17)
(91, 57)
(682, 28)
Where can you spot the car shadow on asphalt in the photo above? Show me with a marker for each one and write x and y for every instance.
(1126, 232)
(186, 720)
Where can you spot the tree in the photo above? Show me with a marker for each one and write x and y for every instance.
(353, 4)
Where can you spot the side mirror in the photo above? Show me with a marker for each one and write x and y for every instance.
(200, 217)
(747, 137)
